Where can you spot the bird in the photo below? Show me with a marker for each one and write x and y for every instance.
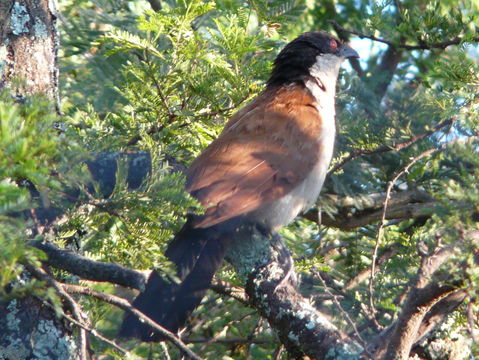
(267, 165)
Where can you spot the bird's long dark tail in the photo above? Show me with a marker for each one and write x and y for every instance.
(197, 253)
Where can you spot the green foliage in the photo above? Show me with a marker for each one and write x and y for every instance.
(29, 153)
(182, 78)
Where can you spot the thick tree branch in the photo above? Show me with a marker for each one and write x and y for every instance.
(354, 212)
(89, 269)
(268, 267)
(405, 212)
(387, 67)
(423, 295)
(439, 312)
(431, 321)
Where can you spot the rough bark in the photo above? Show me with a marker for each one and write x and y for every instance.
(28, 65)
(267, 267)
(30, 330)
(434, 318)
(88, 270)
(427, 304)
(367, 209)
(29, 46)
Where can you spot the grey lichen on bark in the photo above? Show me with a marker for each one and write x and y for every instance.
(265, 264)
(28, 47)
(31, 331)
(28, 65)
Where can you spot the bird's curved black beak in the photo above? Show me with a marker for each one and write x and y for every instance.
(348, 52)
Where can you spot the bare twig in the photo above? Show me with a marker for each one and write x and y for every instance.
(224, 288)
(387, 148)
(383, 221)
(165, 351)
(95, 333)
(72, 304)
(278, 352)
(125, 305)
(422, 46)
(230, 340)
(341, 309)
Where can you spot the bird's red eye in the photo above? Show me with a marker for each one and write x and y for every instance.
(333, 44)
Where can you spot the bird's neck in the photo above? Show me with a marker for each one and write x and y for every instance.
(321, 82)
(325, 72)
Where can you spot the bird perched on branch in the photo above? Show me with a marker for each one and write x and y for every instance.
(267, 166)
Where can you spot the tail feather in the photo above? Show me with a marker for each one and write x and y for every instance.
(197, 253)
(192, 290)
(187, 246)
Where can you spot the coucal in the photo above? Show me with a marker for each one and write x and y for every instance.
(267, 166)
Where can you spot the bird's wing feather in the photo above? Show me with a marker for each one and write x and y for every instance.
(263, 153)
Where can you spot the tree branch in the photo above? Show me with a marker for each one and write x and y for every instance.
(387, 254)
(125, 305)
(423, 295)
(386, 148)
(354, 212)
(224, 288)
(422, 46)
(268, 267)
(89, 269)
(439, 312)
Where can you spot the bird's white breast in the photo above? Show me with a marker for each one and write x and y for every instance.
(282, 211)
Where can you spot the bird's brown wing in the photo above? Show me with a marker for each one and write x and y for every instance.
(266, 150)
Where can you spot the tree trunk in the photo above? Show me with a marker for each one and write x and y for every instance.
(28, 65)
(30, 330)
(28, 47)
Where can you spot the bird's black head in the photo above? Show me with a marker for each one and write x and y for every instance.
(296, 59)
